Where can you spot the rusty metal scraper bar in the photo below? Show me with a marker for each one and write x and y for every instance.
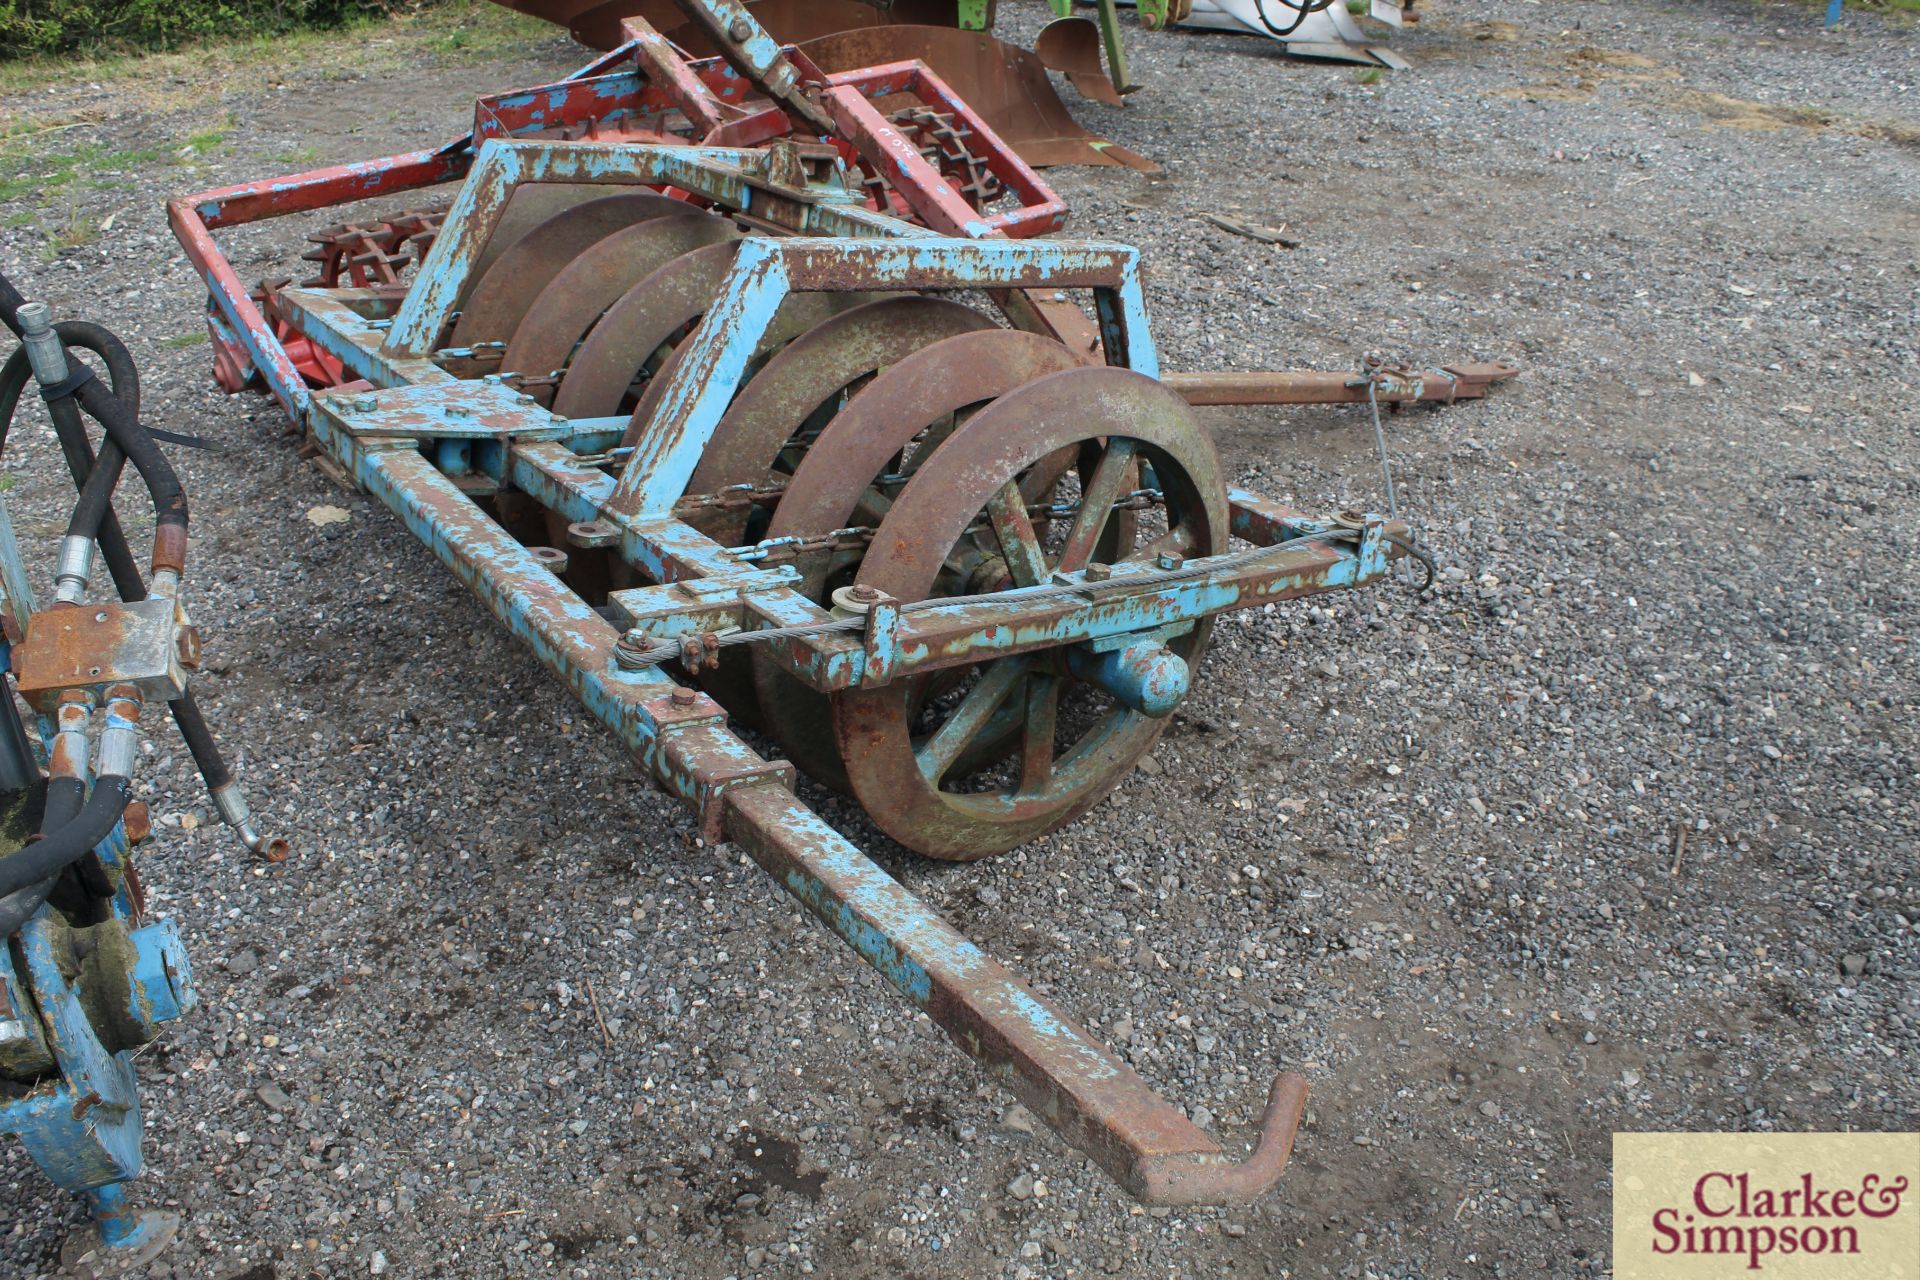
(1397, 386)
(1091, 1098)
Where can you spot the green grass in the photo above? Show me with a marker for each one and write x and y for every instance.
(75, 230)
(1368, 75)
(37, 173)
(459, 30)
(180, 341)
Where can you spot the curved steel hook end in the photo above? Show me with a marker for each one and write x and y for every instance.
(1214, 1177)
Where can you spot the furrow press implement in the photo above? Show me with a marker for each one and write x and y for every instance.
(732, 394)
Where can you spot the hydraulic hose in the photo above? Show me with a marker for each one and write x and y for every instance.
(17, 374)
(71, 842)
(64, 799)
(1302, 10)
(76, 389)
(116, 407)
(122, 375)
(96, 495)
(11, 301)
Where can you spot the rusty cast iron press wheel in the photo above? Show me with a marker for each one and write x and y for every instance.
(902, 749)
(894, 418)
(499, 298)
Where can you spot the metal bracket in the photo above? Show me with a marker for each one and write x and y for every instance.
(700, 759)
(694, 605)
(148, 644)
(479, 409)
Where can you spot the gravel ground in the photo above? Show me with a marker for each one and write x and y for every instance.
(503, 1015)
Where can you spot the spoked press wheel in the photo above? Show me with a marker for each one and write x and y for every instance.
(963, 525)
(848, 477)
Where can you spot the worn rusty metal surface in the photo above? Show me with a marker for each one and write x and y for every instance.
(848, 457)
(1039, 700)
(770, 409)
(854, 448)
(1144, 1143)
(799, 313)
(492, 311)
(1071, 46)
(597, 278)
(1091, 1099)
(1006, 85)
(145, 644)
(897, 774)
(597, 23)
(652, 312)
(922, 187)
(1444, 385)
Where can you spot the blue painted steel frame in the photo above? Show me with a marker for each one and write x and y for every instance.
(81, 1123)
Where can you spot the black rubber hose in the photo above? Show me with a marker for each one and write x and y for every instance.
(11, 300)
(96, 495)
(72, 841)
(106, 407)
(85, 883)
(18, 908)
(1302, 10)
(60, 804)
(163, 485)
(17, 374)
(122, 374)
(200, 743)
(127, 579)
(65, 798)
(114, 549)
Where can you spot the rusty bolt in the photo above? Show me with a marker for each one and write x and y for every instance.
(740, 29)
(1168, 560)
(188, 644)
(683, 696)
(1097, 572)
(862, 592)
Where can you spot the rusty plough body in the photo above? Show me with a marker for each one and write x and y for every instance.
(730, 395)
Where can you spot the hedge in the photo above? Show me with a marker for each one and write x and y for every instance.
(34, 27)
